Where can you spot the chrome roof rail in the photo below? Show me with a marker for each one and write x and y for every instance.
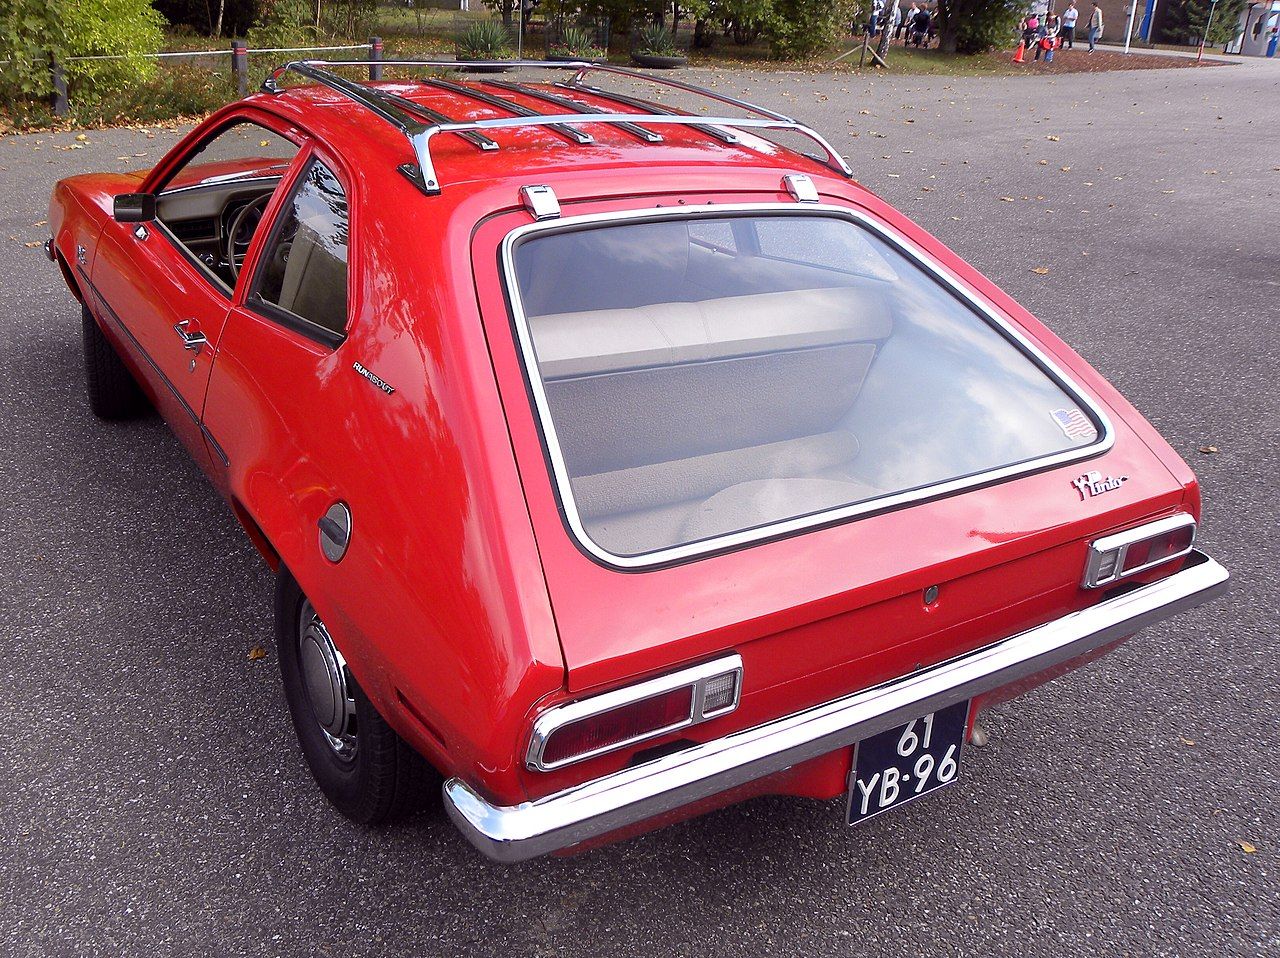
(568, 132)
(400, 111)
(724, 136)
(573, 106)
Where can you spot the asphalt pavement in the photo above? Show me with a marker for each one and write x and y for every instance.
(153, 801)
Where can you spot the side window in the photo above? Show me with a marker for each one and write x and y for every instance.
(212, 204)
(304, 265)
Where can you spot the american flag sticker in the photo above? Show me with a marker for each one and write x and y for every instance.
(1074, 424)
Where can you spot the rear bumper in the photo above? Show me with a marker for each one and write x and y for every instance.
(603, 805)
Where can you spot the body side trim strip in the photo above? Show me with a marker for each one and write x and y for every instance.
(116, 321)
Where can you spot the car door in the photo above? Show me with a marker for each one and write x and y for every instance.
(168, 284)
(275, 399)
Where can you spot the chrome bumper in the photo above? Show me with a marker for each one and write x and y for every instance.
(517, 832)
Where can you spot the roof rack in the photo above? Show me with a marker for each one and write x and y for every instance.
(403, 113)
(573, 106)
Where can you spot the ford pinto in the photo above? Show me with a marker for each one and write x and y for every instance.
(615, 463)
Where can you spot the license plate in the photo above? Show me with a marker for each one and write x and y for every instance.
(904, 763)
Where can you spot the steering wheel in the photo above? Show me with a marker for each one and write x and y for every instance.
(238, 222)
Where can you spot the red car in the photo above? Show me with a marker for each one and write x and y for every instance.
(615, 463)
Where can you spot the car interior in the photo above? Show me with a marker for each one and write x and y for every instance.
(705, 378)
(213, 204)
(216, 220)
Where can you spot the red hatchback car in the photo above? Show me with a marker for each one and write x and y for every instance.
(620, 463)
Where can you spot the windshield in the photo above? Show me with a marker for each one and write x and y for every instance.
(703, 378)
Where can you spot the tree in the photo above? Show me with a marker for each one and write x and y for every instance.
(974, 26)
(1186, 20)
(217, 18)
(33, 30)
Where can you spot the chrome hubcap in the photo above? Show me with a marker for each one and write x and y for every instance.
(328, 683)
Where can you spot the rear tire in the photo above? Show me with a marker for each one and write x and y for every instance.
(362, 766)
(113, 392)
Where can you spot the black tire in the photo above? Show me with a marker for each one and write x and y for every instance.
(113, 392)
(383, 779)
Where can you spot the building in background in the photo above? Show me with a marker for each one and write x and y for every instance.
(1259, 26)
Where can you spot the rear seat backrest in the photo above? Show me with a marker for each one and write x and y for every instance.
(634, 387)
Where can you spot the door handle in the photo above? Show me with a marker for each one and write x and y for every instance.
(192, 339)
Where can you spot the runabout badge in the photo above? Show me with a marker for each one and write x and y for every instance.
(376, 380)
(1095, 484)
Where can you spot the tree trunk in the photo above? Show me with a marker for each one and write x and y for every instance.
(886, 30)
(217, 27)
(947, 34)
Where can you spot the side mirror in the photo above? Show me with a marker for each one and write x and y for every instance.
(134, 208)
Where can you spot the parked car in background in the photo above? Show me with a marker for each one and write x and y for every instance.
(615, 463)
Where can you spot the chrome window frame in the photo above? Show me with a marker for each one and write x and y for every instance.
(554, 719)
(785, 527)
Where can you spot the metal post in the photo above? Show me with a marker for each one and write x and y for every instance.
(1128, 33)
(375, 54)
(240, 66)
(519, 29)
(58, 92)
(1205, 36)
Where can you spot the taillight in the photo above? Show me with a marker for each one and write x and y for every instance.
(1135, 550)
(581, 730)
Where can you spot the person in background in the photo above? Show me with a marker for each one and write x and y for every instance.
(1095, 25)
(904, 25)
(1048, 35)
(1030, 30)
(920, 27)
(1069, 18)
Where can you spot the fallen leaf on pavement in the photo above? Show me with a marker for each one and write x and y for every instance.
(1208, 450)
(1066, 169)
(32, 245)
(257, 652)
(1041, 271)
(1247, 847)
(1186, 741)
(1006, 199)
(1053, 138)
(81, 137)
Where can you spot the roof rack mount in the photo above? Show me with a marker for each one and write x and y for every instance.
(400, 112)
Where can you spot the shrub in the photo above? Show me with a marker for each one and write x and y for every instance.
(31, 30)
(484, 40)
(800, 29)
(282, 23)
(578, 43)
(655, 41)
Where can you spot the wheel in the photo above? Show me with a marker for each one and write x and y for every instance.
(363, 767)
(113, 392)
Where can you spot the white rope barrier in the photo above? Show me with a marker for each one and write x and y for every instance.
(207, 53)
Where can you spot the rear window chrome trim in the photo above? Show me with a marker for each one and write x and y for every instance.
(787, 527)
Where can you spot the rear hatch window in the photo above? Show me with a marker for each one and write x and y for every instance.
(706, 381)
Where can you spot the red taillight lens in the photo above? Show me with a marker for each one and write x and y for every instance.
(1158, 548)
(622, 724)
(1113, 557)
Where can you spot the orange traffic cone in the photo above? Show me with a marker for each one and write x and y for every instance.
(1017, 57)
